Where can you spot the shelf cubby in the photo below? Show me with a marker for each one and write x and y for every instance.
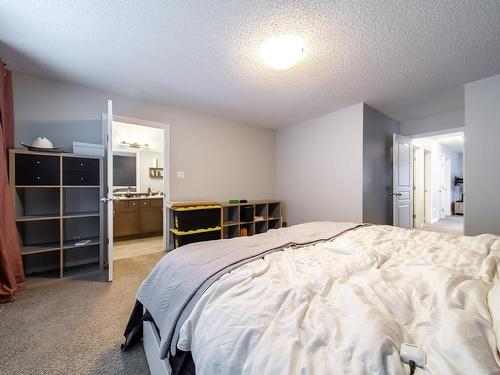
(231, 215)
(39, 236)
(261, 210)
(274, 210)
(81, 260)
(44, 265)
(274, 223)
(261, 227)
(249, 227)
(247, 213)
(231, 231)
(80, 228)
(69, 244)
(79, 200)
(36, 203)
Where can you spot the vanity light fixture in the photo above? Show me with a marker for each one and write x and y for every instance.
(135, 145)
(282, 52)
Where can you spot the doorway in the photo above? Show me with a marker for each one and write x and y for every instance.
(439, 198)
(137, 204)
(138, 173)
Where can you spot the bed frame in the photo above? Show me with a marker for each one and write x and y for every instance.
(151, 343)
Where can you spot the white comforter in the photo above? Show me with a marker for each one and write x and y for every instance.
(345, 307)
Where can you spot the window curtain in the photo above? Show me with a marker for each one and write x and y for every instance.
(11, 264)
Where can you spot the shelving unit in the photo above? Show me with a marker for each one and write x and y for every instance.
(236, 220)
(56, 201)
(265, 215)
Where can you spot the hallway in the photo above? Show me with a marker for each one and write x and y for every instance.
(450, 224)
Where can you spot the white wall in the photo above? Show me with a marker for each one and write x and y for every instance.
(319, 167)
(442, 121)
(221, 159)
(482, 156)
(146, 161)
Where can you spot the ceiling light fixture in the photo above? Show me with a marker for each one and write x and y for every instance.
(282, 52)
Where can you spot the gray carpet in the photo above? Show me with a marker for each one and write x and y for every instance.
(450, 224)
(74, 326)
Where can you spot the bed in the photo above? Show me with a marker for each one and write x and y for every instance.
(323, 298)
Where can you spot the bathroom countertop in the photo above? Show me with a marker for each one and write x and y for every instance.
(140, 197)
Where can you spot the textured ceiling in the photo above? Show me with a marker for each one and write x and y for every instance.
(405, 58)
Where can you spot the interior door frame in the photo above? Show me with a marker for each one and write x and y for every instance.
(166, 173)
(447, 185)
(419, 184)
(427, 187)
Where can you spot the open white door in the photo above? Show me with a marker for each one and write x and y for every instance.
(402, 191)
(107, 122)
(166, 185)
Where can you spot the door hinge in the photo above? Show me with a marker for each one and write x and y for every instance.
(414, 216)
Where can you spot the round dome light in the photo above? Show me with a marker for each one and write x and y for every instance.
(282, 52)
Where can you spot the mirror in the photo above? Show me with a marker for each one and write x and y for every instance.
(124, 170)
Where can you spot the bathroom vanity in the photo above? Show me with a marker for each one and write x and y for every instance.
(137, 217)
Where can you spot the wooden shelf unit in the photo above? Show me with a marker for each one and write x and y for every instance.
(270, 210)
(56, 202)
(230, 219)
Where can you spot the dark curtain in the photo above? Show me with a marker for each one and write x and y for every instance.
(11, 264)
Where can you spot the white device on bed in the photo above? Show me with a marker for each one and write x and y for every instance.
(411, 352)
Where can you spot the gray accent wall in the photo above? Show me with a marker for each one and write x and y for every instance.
(482, 157)
(319, 167)
(378, 130)
(221, 159)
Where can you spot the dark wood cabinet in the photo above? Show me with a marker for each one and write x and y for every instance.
(137, 218)
(125, 222)
(151, 220)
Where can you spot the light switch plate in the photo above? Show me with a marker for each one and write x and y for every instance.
(180, 174)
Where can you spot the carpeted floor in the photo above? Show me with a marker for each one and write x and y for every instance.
(74, 326)
(450, 224)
